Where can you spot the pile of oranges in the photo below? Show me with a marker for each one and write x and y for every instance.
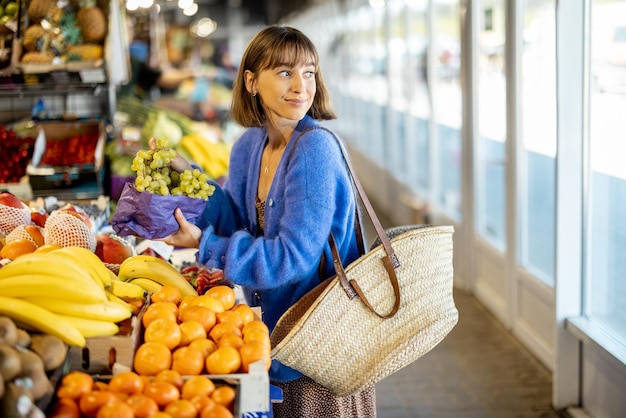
(129, 395)
(205, 334)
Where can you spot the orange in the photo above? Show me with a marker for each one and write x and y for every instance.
(254, 351)
(160, 414)
(74, 385)
(156, 310)
(216, 411)
(230, 317)
(116, 409)
(256, 324)
(201, 402)
(224, 294)
(201, 314)
(224, 360)
(66, 408)
(191, 330)
(181, 408)
(171, 376)
(162, 392)
(17, 247)
(91, 402)
(232, 340)
(165, 331)
(143, 405)
(151, 358)
(36, 233)
(98, 385)
(205, 345)
(225, 395)
(185, 303)
(167, 293)
(126, 382)
(256, 335)
(245, 312)
(188, 361)
(219, 330)
(197, 386)
(210, 302)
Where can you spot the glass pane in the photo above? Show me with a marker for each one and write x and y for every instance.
(538, 133)
(447, 103)
(399, 88)
(491, 148)
(420, 112)
(606, 265)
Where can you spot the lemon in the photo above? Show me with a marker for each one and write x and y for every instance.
(11, 9)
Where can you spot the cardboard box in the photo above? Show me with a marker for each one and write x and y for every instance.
(101, 355)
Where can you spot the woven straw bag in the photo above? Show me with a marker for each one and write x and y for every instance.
(377, 315)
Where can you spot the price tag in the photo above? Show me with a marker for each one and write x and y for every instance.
(94, 75)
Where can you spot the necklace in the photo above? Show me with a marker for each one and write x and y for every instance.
(271, 159)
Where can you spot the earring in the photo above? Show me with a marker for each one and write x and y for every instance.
(254, 94)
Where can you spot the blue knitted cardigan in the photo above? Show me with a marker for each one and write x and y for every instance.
(311, 195)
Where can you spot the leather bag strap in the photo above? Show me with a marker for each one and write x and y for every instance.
(389, 259)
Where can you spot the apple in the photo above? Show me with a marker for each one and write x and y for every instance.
(38, 218)
(112, 249)
(9, 199)
(37, 234)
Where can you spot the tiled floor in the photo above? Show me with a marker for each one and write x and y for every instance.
(478, 371)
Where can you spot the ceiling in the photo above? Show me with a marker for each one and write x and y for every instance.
(254, 12)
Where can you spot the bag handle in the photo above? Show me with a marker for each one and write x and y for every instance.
(390, 260)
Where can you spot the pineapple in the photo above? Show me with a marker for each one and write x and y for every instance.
(91, 21)
(32, 35)
(42, 9)
(84, 52)
(37, 58)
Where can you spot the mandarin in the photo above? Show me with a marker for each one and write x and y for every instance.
(185, 303)
(191, 330)
(210, 302)
(17, 247)
(74, 385)
(245, 312)
(206, 345)
(188, 361)
(201, 401)
(224, 360)
(181, 408)
(152, 358)
(225, 328)
(256, 324)
(165, 331)
(127, 382)
(224, 294)
(252, 352)
(171, 376)
(156, 310)
(225, 395)
(201, 314)
(216, 411)
(143, 406)
(91, 402)
(254, 334)
(197, 386)
(231, 340)
(162, 392)
(230, 317)
(167, 293)
(116, 409)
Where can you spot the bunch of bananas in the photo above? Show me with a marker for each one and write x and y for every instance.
(67, 292)
(212, 156)
(151, 273)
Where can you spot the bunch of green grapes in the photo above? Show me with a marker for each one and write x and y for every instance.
(154, 174)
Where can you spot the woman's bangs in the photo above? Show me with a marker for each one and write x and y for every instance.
(291, 55)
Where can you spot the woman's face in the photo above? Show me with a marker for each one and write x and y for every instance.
(286, 92)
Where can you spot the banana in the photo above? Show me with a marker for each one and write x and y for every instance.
(115, 299)
(126, 289)
(157, 269)
(33, 285)
(41, 319)
(45, 264)
(148, 285)
(90, 328)
(98, 271)
(213, 157)
(103, 311)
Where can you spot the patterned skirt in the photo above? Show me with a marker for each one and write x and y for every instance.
(303, 398)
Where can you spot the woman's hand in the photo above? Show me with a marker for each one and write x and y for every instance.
(187, 236)
(177, 163)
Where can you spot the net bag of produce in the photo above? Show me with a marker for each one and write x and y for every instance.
(151, 216)
(67, 230)
(11, 217)
(20, 232)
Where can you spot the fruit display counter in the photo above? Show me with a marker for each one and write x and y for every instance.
(116, 333)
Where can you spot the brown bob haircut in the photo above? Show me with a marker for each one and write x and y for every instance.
(273, 46)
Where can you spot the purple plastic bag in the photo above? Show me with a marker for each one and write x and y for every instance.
(151, 216)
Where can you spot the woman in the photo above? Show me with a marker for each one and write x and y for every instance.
(268, 227)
